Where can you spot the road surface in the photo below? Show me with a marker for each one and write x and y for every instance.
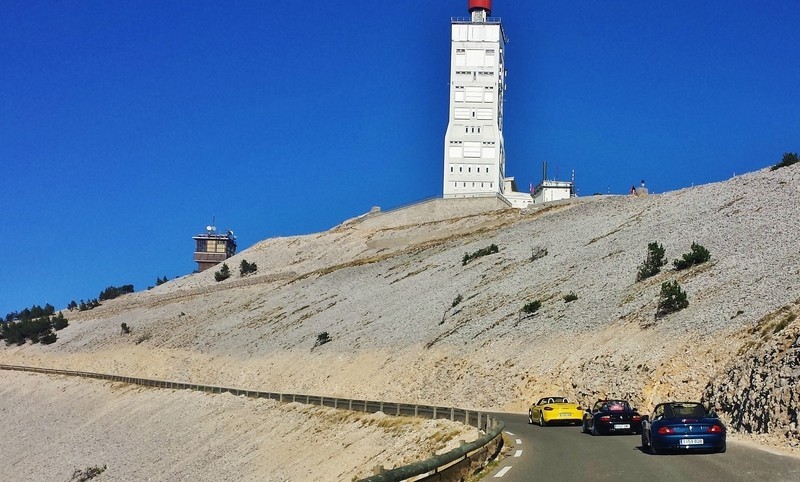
(566, 454)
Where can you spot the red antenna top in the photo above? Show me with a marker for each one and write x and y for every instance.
(481, 4)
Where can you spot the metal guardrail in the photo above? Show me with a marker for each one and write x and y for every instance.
(477, 419)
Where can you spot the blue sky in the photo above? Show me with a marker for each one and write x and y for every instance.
(126, 126)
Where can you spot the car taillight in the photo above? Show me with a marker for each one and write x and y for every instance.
(636, 418)
(715, 429)
(605, 418)
(578, 408)
(548, 408)
(665, 430)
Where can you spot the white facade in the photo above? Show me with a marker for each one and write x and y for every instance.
(474, 157)
(549, 191)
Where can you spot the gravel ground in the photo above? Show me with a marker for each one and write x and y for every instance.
(53, 426)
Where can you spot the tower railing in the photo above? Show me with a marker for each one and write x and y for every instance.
(492, 20)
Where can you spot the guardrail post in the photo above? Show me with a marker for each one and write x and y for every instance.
(434, 413)
(335, 403)
(452, 414)
(479, 420)
(466, 417)
(365, 405)
(398, 410)
(381, 406)
(416, 410)
(350, 404)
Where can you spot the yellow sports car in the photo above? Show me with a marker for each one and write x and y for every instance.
(552, 410)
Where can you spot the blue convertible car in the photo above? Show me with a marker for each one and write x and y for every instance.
(682, 426)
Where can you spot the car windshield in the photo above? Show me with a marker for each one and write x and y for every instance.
(684, 410)
(552, 400)
(616, 406)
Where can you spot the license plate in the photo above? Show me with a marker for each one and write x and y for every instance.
(564, 414)
(622, 425)
(692, 441)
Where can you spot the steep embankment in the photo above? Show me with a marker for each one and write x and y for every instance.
(383, 285)
(53, 426)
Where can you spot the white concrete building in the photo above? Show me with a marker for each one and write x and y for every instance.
(474, 154)
(549, 191)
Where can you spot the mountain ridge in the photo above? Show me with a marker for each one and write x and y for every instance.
(383, 285)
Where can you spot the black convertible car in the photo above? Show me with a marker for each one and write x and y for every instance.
(612, 416)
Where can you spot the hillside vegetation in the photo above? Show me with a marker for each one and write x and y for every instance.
(382, 287)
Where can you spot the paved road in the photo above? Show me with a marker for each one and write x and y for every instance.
(567, 454)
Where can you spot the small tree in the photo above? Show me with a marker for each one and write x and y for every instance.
(246, 268)
(652, 263)
(789, 158)
(491, 249)
(48, 338)
(322, 338)
(456, 301)
(671, 299)
(571, 296)
(223, 273)
(538, 252)
(532, 307)
(697, 255)
(124, 328)
(59, 322)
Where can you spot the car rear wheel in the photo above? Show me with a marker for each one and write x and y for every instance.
(653, 449)
(530, 417)
(541, 420)
(722, 449)
(594, 430)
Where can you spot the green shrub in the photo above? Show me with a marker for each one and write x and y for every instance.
(59, 322)
(538, 252)
(124, 328)
(48, 338)
(223, 273)
(322, 338)
(114, 291)
(456, 301)
(87, 474)
(652, 263)
(697, 255)
(789, 158)
(491, 249)
(532, 307)
(246, 268)
(671, 299)
(571, 296)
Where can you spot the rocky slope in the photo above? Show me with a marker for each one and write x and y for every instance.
(383, 286)
(54, 426)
